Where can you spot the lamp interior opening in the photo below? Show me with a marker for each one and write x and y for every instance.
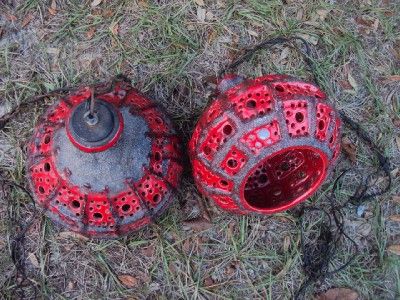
(283, 178)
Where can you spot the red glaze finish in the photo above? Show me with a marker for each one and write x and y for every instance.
(105, 212)
(264, 145)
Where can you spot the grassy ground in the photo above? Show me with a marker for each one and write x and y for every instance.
(168, 48)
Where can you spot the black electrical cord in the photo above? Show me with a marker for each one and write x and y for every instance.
(18, 230)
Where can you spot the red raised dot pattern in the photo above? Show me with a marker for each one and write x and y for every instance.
(156, 121)
(323, 120)
(272, 77)
(69, 201)
(209, 179)
(262, 137)
(291, 89)
(257, 101)
(217, 136)
(156, 157)
(234, 161)
(151, 189)
(126, 204)
(225, 202)
(296, 115)
(212, 112)
(98, 211)
(44, 179)
(42, 141)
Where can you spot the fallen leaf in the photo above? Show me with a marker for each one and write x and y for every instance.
(392, 78)
(322, 13)
(309, 38)
(148, 251)
(201, 14)
(375, 25)
(28, 18)
(364, 229)
(396, 49)
(199, 2)
(230, 269)
(128, 280)
(143, 3)
(338, 294)
(345, 85)
(349, 149)
(114, 28)
(394, 172)
(221, 4)
(171, 267)
(284, 53)
(363, 21)
(286, 243)
(396, 121)
(144, 277)
(95, 3)
(52, 50)
(212, 35)
(198, 224)
(33, 259)
(394, 249)
(52, 11)
(11, 18)
(90, 33)
(252, 32)
(398, 142)
(396, 199)
(70, 286)
(108, 13)
(186, 246)
(208, 282)
(209, 16)
(299, 14)
(394, 218)
(352, 81)
(230, 230)
(73, 235)
(53, 8)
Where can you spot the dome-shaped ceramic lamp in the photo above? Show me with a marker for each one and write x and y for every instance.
(106, 173)
(265, 144)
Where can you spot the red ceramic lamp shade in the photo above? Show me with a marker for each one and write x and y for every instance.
(106, 174)
(265, 144)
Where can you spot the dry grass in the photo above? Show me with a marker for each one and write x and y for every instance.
(168, 47)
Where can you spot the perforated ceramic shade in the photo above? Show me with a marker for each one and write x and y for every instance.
(265, 144)
(109, 179)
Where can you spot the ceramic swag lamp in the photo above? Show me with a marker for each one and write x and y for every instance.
(104, 164)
